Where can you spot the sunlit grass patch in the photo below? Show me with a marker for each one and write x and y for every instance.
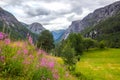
(100, 64)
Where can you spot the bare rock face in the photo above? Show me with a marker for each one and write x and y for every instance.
(7, 17)
(93, 18)
(10, 25)
(36, 28)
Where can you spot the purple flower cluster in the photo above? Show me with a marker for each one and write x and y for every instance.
(2, 35)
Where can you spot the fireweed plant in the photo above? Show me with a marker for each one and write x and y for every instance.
(23, 61)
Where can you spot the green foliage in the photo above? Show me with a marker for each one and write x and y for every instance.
(102, 44)
(89, 43)
(45, 41)
(108, 30)
(68, 54)
(76, 42)
(42, 74)
(17, 32)
(13, 68)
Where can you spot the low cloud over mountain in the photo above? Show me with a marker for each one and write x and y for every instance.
(58, 14)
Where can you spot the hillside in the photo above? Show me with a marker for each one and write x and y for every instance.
(22, 61)
(100, 64)
(94, 18)
(10, 25)
(107, 30)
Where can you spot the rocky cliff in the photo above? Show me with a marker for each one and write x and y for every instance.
(93, 18)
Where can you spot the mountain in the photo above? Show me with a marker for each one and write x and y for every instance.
(107, 31)
(36, 28)
(94, 18)
(10, 25)
(57, 35)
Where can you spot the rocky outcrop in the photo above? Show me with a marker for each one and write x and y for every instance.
(93, 18)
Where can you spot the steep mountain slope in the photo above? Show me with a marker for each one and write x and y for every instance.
(57, 35)
(36, 28)
(93, 18)
(108, 30)
(10, 25)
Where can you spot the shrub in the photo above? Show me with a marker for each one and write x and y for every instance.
(89, 43)
(76, 41)
(42, 74)
(102, 44)
(68, 54)
(13, 68)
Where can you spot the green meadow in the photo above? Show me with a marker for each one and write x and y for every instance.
(100, 64)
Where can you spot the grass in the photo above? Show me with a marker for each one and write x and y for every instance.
(100, 64)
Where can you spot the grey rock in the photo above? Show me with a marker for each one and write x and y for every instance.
(36, 28)
(93, 18)
(9, 23)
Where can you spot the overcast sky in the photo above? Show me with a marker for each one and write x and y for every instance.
(52, 14)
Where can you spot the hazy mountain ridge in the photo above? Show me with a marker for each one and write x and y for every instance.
(58, 34)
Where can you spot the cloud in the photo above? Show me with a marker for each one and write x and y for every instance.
(53, 14)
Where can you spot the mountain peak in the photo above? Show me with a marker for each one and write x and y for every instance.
(36, 24)
(36, 28)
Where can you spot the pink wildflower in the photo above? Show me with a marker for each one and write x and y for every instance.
(31, 56)
(2, 58)
(48, 79)
(30, 39)
(56, 76)
(39, 52)
(25, 51)
(1, 35)
(43, 62)
(51, 64)
(18, 52)
(7, 41)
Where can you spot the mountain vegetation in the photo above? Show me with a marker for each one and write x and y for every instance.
(45, 41)
(107, 30)
(10, 25)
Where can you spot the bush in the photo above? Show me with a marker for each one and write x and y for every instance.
(13, 68)
(89, 43)
(68, 54)
(102, 44)
(42, 74)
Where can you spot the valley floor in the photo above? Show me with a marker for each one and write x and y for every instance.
(100, 64)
